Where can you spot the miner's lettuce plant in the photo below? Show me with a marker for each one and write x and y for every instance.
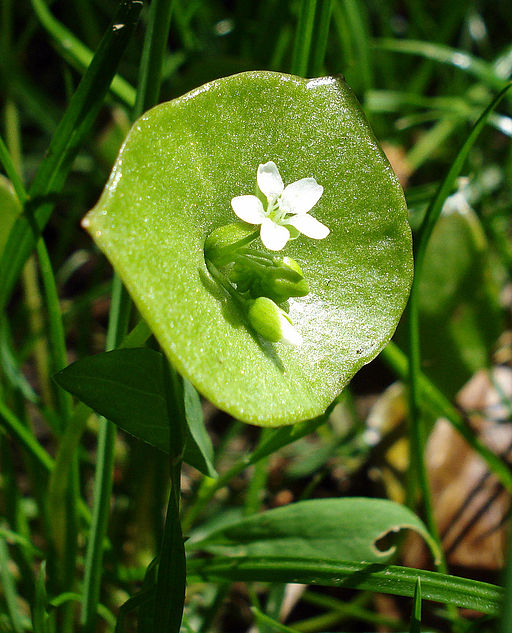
(183, 169)
(262, 255)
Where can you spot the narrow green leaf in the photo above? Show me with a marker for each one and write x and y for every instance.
(10, 208)
(416, 613)
(505, 625)
(25, 436)
(333, 529)
(14, 205)
(389, 579)
(303, 37)
(9, 590)
(79, 55)
(288, 434)
(320, 37)
(444, 54)
(267, 621)
(170, 586)
(155, 43)
(126, 386)
(39, 616)
(64, 146)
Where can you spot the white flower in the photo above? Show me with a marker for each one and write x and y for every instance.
(286, 207)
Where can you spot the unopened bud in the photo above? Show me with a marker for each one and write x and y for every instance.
(222, 244)
(276, 278)
(272, 323)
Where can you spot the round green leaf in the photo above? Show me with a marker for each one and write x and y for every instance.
(172, 185)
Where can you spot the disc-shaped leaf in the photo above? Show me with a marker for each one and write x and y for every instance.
(172, 185)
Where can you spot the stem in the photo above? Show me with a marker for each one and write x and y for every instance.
(119, 313)
(303, 38)
(171, 578)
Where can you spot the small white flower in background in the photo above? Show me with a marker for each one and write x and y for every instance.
(286, 207)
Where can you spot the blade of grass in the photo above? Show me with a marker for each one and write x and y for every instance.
(389, 579)
(321, 36)
(12, 172)
(445, 55)
(358, 28)
(119, 314)
(303, 38)
(416, 611)
(39, 618)
(9, 590)
(153, 53)
(79, 55)
(171, 577)
(347, 610)
(25, 437)
(279, 627)
(505, 625)
(65, 144)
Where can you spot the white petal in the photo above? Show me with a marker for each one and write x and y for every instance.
(273, 236)
(249, 209)
(310, 226)
(301, 196)
(289, 333)
(269, 180)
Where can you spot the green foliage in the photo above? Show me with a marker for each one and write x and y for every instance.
(95, 530)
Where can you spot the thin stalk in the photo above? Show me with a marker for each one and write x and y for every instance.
(303, 38)
(34, 304)
(153, 53)
(30, 283)
(321, 36)
(25, 437)
(64, 487)
(119, 313)
(171, 577)
(9, 590)
(79, 55)
(12, 173)
(257, 482)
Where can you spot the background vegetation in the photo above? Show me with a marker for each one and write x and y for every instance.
(424, 73)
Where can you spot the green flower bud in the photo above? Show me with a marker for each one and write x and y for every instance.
(272, 323)
(277, 278)
(223, 243)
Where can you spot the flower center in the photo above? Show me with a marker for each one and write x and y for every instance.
(275, 211)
